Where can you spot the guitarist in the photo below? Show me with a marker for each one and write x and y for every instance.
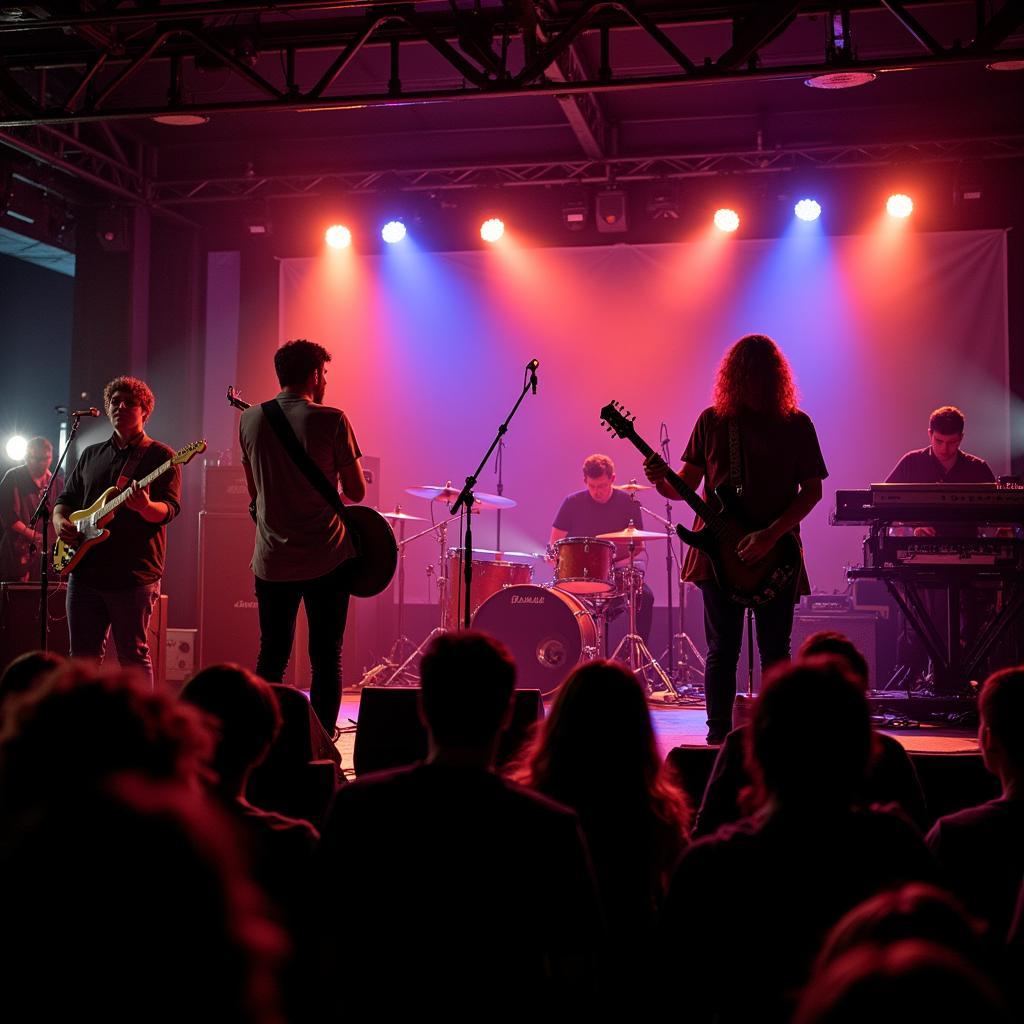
(775, 458)
(302, 544)
(113, 589)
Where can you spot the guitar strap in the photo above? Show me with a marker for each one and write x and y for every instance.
(132, 464)
(735, 457)
(309, 469)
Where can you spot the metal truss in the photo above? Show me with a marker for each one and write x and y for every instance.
(584, 172)
(93, 74)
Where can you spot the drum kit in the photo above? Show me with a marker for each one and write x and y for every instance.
(548, 628)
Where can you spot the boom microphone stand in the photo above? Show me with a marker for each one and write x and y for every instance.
(42, 513)
(466, 498)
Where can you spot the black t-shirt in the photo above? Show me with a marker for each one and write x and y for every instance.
(776, 455)
(581, 516)
(134, 552)
(921, 467)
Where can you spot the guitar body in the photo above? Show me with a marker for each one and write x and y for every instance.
(376, 551)
(747, 584)
(65, 557)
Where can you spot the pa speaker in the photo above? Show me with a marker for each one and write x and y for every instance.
(389, 733)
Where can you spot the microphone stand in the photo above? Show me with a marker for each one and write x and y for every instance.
(466, 498)
(42, 513)
(499, 467)
(669, 559)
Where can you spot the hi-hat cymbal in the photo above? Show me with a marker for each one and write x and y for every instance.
(632, 487)
(631, 533)
(448, 494)
(402, 515)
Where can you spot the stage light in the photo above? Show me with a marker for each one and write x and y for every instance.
(492, 229)
(899, 205)
(393, 231)
(17, 447)
(808, 209)
(727, 220)
(337, 236)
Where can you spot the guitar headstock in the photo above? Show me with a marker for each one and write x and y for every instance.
(235, 399)
(189, 452)
(618, 420)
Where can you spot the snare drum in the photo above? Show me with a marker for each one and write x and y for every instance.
(583, 565)
(547, 631)
(488, 579)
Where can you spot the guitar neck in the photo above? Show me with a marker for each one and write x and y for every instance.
(115, 503)
(690, 496)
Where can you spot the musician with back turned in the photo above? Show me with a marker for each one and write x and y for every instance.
(113, 589)
(753, 436)
(302, 543)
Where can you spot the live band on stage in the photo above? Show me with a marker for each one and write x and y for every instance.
(944, 537)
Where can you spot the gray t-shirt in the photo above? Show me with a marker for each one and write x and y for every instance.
(298, 535)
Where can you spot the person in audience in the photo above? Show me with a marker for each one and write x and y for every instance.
(980, 850)
(444, 880)
(25, 671)
(772, 885)
(596, 753)
(81, 725)
(908, 980)
(891, 776)
(126, 899)
(914, 911)
(244, 714)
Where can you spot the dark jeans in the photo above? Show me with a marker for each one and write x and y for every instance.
(326, 600)
(723, 628)
(124, 614)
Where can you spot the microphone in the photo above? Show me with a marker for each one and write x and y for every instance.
(532, 367)
(91, 411)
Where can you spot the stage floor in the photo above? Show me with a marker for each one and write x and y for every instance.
(685, 727)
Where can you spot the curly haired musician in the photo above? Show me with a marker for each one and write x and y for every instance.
(780, 470)
(302, 544)
(113, 589)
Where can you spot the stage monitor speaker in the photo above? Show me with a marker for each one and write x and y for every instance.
(19, 625)
(860, 627)
(389, 733)
(229, 625)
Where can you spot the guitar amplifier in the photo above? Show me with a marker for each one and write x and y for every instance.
(224, 489)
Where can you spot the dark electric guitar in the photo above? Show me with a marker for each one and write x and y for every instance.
(376, 548)
(91, 521)
(747, 584)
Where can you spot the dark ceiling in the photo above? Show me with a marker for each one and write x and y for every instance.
(420, 95)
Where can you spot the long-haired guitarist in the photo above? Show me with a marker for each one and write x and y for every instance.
(112, 590)
(754, 437)
(302, 545)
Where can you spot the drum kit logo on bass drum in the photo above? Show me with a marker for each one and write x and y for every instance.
(548, 628)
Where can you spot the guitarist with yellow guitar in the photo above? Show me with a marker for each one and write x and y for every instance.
(111, 525)
(762, 467)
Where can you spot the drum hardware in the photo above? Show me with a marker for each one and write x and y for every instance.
(686, 664)
(632, 649)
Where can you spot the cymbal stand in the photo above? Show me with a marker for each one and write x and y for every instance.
(632, 648)
(405, 674)
(688, 674)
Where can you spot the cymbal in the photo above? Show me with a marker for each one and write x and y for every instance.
(513, 554)
(631, 533)
(632, 487)
(402, 515)
(448, 494)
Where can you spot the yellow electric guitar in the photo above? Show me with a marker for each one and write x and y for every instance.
(92, 520)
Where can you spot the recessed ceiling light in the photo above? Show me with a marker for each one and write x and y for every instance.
(840, 79)
(1006, 65)
(180, 120)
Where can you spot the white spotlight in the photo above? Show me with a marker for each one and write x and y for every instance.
(491, 230)
(393, 231)
(727, 220)
(17, 447)
(808, 209)
(899, 205)
(337, 236)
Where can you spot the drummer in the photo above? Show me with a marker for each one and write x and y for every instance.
(602, 508)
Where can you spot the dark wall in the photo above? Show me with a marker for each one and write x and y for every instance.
(35, 339)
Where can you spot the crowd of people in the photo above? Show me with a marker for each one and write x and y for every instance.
(198, 856)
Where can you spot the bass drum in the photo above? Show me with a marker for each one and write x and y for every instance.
(548, 632)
